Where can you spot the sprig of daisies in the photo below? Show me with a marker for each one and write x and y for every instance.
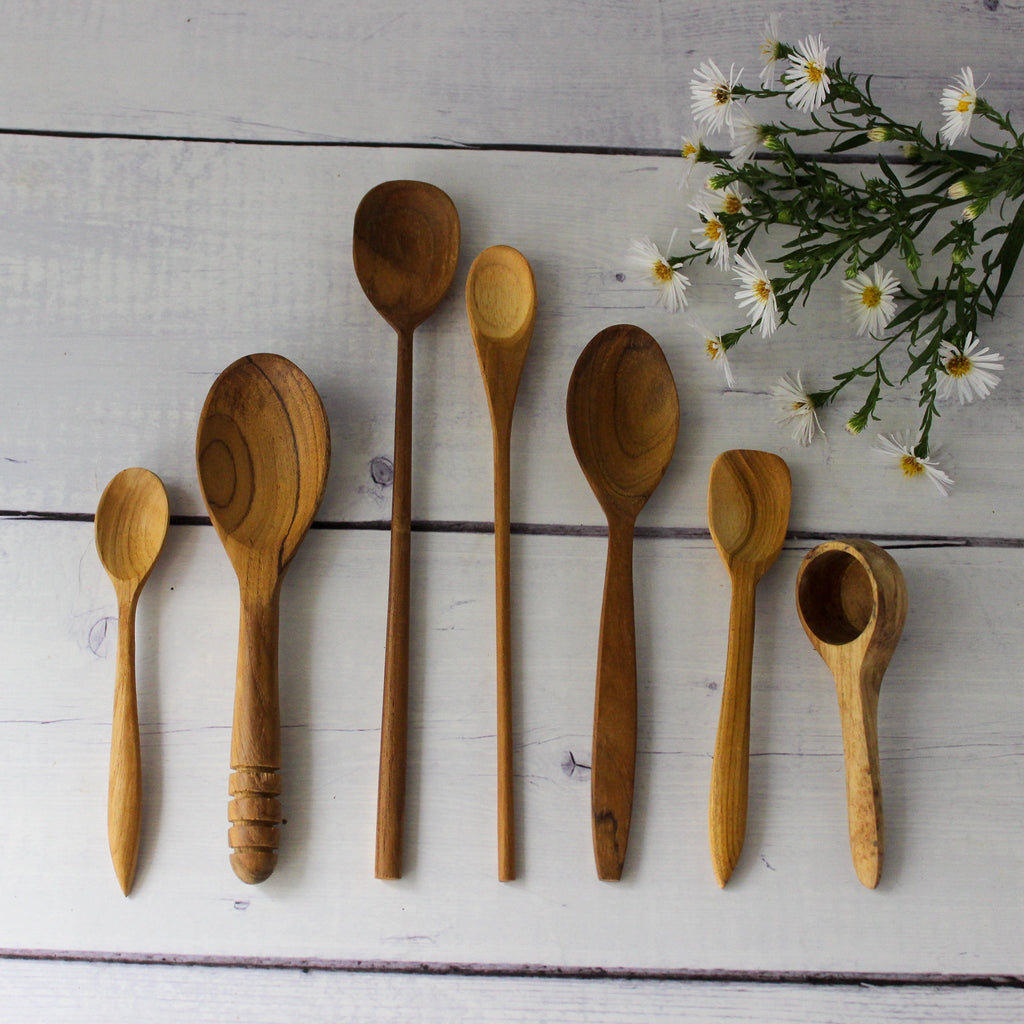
(871, 230)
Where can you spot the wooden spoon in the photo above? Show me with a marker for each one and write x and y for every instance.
(131, 524)
(263, 449)
(623, 413)
(501, 300)
(405, 248)
(748, 512)
(852, 602)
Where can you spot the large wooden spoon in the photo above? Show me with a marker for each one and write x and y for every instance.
(852, 602)
(748, 511)
(623, 413)
(405, 247)
(501, 300)
(131, 524)
(263, 449)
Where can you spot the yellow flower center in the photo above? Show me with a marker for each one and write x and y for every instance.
(815, 72)
(661, 272)
(958, 366)
(713, 348)
(762, 289)
(689, 149)
(965, 103)
(721, 94)
(911, 465)
(871, 296)
(713, 230)
(732, 203)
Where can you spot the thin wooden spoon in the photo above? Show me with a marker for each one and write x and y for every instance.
(501, 300)
(131, 524)
(748, 511)
(263, 450)
(852, 602)
(623, 413)
(405, 247)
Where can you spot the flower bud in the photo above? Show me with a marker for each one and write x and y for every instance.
(912, 151)
(958, 190)
(972, 211)
(856, 423)
(772, 142)
(960, 253)
(913, 261)
(785, 215)
(880, 133)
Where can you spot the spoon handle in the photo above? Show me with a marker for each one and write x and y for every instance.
(254, 810)
(858, 710)
(503, 605)
(395, 712)
(124, 795)
(727, 813)
(615, 702)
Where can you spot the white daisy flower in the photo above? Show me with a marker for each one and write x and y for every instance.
(770, 51)
(871, 302)
(807, 79)
(748, 136)
(757, 293)
(711, 234)
(715, 351)
(969, 372)
(728, 199)
(899, 447)
(690, 151)
(670, 284)
(712, 95)
(958, 103)
(796, 409)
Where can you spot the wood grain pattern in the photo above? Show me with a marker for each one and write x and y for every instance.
(852, 602)
(131, 524)
(623, 415)
(748, 511)
(501, 304)
(263, 450)
(405, 247)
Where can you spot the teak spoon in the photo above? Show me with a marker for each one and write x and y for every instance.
(131, 524)
(623, 413)
(501, 300)
(748, 512)
(852, 602)
(263, 449)
(405, 247)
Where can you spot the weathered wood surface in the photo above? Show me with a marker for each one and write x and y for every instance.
(145, 249)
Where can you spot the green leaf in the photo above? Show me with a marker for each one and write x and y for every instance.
(1008, 253)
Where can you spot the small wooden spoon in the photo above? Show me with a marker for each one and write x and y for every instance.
(131, 524)
(501, 300)
(748, 511)
(263, 450)
(852, 602)
(405, 247)
(623, 413)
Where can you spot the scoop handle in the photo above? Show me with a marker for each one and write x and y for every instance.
(613, 762)
(124, 794)
(730, 769)
(254, 810)
(857, 690)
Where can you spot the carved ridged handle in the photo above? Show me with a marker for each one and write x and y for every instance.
(254, 810)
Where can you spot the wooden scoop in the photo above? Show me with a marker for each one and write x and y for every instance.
(852, 602)
(748, 512)
(131, 524)
(623, 413)
(263, 450)
(501, 301)
(405, 248)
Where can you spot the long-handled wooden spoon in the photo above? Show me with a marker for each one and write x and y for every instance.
(501, 300)
(405, 247)
(748, 512)
(623, 413)
(263, 450)
(131, 524)
(852, 602)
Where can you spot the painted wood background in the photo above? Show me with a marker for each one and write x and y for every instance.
(177, 185)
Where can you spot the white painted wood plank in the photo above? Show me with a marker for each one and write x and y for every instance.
(84, 993)
(950, 739)
(137, 271)
(595, 73)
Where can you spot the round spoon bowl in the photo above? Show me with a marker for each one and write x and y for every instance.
(837, 597)
(501, 296)
(405, 248)
(131, 524)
